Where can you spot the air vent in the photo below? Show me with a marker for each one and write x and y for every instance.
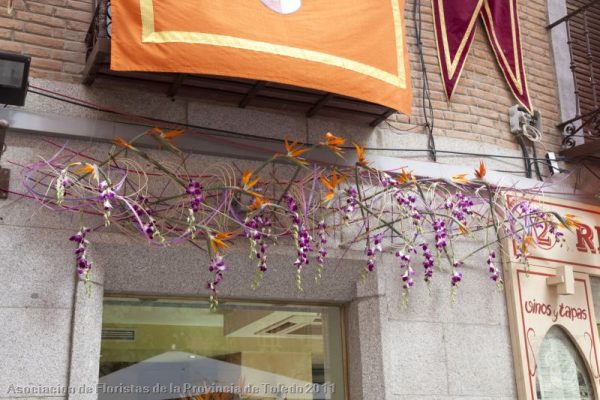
(290, 325)
(118, 334)
(281, 328)
(308, 330)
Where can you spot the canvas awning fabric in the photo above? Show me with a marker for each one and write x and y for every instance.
(455, 23)
(355, 48)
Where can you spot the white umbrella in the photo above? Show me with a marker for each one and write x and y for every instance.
(175, 374)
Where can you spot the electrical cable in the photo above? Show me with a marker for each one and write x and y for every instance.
(426, 104)
(536, 163)
(526, 158)
(261, 138)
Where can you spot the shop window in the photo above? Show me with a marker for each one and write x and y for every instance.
(561, 372)
(179, 349)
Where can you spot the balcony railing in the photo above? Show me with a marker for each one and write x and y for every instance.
(241, 92)
(582, 26)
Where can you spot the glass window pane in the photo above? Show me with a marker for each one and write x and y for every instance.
(11, 73)
(173, 349)
(561, 372)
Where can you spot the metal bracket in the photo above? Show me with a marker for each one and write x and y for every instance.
(564, 280)
(4, 172)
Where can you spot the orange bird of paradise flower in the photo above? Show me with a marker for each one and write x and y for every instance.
(167, 135)
(173, 133)
(119, 141)
(480, 173)
(360, 154)
(259, 201)
(332, 184)
(295, 150)
(334, 143)
(527, 243)
(572, 221)
(461, 179)
(406, 177)
(246, 180)
(218, 241)
(89, 169)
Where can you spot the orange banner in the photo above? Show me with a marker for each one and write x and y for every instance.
(355, 48)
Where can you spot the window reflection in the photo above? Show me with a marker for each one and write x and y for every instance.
(561, 372)
(174, 349)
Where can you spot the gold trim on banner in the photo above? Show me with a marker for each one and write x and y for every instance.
(451, 65)
(147, 10)
(149, 35)
(500, 57)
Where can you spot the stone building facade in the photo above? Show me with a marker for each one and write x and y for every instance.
(51, 330)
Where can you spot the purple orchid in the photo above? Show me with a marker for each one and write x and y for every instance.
(387, 180)
(194, 190)
(457, 276)
(407, 276)
(461, 208)
(428, 263)
(257, 230)
(439, 227)
(351, 201)
(409, 203)
(322, 251)
(218, 268)
(107, 195)
(373, 250)
(494, 272)
(302, 238)
(83, 264)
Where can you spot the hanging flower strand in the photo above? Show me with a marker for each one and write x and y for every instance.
(322, 249)
(217, 266)
(302, 239)
(257, 231)
(84, 266)
(163, 201)
(407, 277)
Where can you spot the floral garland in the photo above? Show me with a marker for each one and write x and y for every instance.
(390, 212)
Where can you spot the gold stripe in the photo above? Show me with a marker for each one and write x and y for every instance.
(399, 42)
(147, 10)
(500, 54)
(453, 64)
(150, 36)
(522, 74)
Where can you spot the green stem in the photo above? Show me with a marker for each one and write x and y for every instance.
(298, 169)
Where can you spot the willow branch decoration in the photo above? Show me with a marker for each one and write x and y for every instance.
(166, 205)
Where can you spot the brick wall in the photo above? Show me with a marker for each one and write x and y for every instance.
(479, 108)
(53, 31)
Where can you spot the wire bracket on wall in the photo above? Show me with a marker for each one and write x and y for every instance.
(525, 125)
(4, 172)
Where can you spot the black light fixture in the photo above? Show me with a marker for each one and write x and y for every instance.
(14, 78)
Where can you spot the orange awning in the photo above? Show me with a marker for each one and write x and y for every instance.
(355, 48)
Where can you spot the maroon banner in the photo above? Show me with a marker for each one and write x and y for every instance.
(455, 23)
